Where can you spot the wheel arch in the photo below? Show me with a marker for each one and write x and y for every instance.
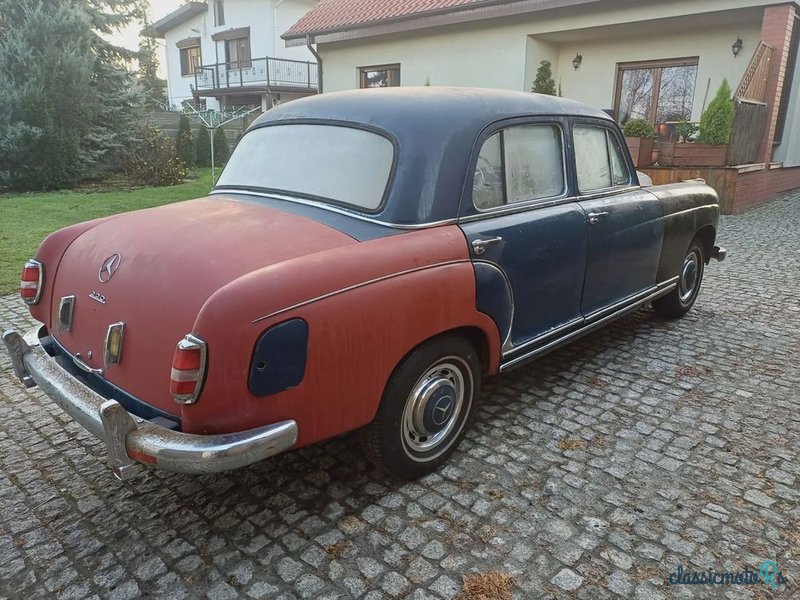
(706, 235)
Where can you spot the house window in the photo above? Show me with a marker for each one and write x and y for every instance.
(519, 164)
(598, 159)
(219, 13)
(237, 53)
(190, 60)
(380, 76)
(657, 91)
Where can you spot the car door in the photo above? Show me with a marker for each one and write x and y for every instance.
(526, 233)
(625, 222)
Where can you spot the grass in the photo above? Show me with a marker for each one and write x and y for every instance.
(26, 219)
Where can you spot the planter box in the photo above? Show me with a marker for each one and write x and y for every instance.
(641, 150)
(673, 154)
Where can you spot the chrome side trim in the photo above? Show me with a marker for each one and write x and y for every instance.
(656, 293)
(131, 440)
(341, 211)
(545, 336)
(356, 286)
(692, 209)
(629, 300)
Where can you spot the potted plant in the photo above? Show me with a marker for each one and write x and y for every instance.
(639, 135)
(711, 147)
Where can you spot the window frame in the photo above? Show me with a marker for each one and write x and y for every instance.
(193, 70)
(362, 72)
(240, 63)
(498, 129)
(612, 132)
(658, 65)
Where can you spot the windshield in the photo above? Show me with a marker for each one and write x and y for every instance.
(327, 162)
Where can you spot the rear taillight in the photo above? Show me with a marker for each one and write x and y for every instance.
(30, 285)
(188, 370)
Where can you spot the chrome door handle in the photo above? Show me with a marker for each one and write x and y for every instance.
(479, 246)
(594, 218)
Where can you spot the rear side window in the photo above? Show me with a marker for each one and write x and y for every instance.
(519, 164)
(598, 159)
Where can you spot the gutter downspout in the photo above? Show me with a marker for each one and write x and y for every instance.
(319, 62)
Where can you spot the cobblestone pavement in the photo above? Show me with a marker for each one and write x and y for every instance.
(592, 473)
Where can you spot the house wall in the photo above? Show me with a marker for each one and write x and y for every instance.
(788, 152)
(266, 19)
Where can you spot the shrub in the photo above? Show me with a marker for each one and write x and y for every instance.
(685, 131)
(185, 142)
(152, 159)
(222, 151)
(717, 122)
(639, 128)
(544, 83)
(202, 148)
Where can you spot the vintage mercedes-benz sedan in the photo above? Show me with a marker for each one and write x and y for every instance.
(365, 259)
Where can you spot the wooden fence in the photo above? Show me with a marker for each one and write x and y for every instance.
(749, 122)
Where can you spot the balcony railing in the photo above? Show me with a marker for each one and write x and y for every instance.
(266, 72)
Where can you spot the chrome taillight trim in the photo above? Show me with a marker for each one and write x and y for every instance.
(35, 264)
(192, 342)
(108, 359)
(64, 321)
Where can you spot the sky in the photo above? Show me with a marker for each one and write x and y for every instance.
(129, 38)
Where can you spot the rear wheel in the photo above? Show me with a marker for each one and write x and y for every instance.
(425, 408)
(678, 302)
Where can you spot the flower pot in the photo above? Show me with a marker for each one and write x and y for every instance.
(675, 154)
(641, 150)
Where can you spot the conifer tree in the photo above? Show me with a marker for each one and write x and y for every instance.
(185, 142)
(222, 151)
(202, 148)
(544, 82)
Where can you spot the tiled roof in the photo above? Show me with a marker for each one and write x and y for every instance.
(330, 15)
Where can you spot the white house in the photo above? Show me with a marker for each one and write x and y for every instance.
(660, 60)
(229, 52)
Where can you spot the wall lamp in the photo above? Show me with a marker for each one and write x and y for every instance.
(576, 62)
(737, 46)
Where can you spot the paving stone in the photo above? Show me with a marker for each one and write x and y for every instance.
(592, 473)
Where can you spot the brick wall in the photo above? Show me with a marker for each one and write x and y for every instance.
(757, 187)
(776, 30)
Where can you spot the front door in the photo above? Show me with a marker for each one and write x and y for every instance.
(522, 223)
(625, 223)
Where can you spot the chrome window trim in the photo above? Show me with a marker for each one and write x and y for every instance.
(356, 286)
(511, 209)
(621, 308)
(607, 191)
(534, 201)
(341, 211)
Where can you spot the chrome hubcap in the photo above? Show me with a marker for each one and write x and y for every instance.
(434, 406)
(690, 274)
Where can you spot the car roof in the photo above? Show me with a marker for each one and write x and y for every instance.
(435, 129)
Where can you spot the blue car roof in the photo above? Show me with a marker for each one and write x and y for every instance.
(435, 129)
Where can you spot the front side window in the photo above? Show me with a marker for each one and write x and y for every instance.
(661, 92)
(519, 164)
(332, 163)
(382, 76)
(190, 60)
(237, 53)
(599, 160)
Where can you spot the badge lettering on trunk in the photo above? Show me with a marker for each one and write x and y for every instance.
(97, 297)
(110, 266)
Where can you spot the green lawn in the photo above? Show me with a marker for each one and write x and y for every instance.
(26, 219)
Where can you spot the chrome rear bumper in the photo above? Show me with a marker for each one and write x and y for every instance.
(132, 441)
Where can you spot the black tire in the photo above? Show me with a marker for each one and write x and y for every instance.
(678, 302)
(426, 406)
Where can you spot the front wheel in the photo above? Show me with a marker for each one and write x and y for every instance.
(678, 302)
(425, 408)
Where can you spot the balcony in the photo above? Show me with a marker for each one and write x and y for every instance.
(258, 74)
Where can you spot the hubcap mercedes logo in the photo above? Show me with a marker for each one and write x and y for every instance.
(441, 411)
(110, 266)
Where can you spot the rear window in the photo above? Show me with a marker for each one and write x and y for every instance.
(332, 163)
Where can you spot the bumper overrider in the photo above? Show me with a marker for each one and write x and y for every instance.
(130, 440)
